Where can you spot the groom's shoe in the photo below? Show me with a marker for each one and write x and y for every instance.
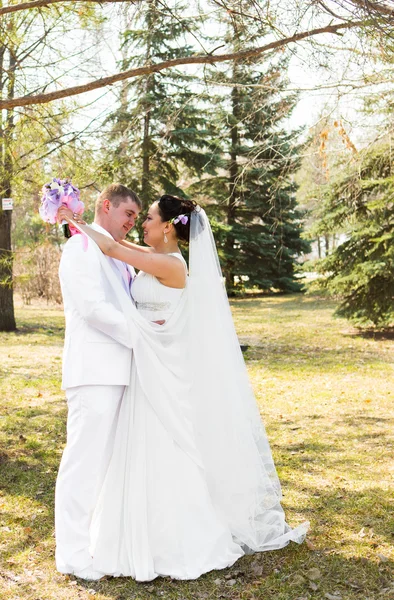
(89, 574)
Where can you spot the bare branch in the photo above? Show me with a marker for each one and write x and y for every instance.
(377, 6)
(188, 60)
(43, 3)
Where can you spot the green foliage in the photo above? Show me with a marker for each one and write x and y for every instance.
(254, 187)
(159, 128)
(43, 147)
(39, 142)
(361, 270)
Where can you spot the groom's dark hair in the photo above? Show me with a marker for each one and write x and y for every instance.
(116, 193)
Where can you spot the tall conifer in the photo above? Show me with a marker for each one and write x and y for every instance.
(261, 239)
(360, 271)
(158, 129)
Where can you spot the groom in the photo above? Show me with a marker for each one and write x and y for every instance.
(96, 369)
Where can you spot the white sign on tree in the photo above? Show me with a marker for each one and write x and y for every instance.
(7, 204)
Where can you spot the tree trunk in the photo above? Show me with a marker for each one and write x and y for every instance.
(145, 162)
(327, 244)
(318, 247)
(233, 191)
(7, 315)
(151, 18)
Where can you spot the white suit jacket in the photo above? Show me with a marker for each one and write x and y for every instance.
(97, 345)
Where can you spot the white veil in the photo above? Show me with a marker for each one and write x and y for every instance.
(230, 436)
(202, 396)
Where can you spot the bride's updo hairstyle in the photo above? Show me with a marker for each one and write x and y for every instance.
(171, 207)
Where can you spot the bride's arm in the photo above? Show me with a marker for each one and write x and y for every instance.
(168, 269)
(127, 244)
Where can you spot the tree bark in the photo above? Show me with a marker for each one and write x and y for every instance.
(44, 3)
(233, 186)
(145, 161)
(7, 314)
(327, 244)
(146, 132)
(374, 8)
(32, 99)
(370, 7)
(151, 22)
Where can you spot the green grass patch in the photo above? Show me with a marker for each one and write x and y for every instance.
(325, 394)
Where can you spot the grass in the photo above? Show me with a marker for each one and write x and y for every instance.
(325, 394)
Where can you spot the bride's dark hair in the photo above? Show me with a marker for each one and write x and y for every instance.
(171, 207)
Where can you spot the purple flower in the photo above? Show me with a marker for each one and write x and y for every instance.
(182, 218)
(57, 193)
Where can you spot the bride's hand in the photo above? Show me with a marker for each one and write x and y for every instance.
(104, 243)
(65, 214)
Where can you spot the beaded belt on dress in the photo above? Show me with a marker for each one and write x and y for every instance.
(153, 306)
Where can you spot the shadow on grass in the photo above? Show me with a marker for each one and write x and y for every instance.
(282, 574)
(30, 481)
(279, 575)
(370, 334)
(337, 507)
(314, 356)
(285, 303)
(50, 330)
(350, 420)
(266, 575)
(334, 451)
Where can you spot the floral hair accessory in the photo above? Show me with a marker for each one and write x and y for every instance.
(182, 218)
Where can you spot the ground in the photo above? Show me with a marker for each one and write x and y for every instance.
(326, 396)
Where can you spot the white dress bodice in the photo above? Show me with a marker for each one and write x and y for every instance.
(155, 301)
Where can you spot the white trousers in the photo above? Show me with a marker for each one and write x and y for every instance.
(92, 417)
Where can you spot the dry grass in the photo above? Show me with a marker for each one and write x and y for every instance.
(326, 398)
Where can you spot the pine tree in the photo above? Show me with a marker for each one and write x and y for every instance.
(255, 190)
(360, 271)
(158, 129)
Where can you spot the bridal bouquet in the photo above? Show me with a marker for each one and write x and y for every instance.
(57, 193)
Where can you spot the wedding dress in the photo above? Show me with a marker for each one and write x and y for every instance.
(191, 485)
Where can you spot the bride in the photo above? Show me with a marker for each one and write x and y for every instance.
(191, 485)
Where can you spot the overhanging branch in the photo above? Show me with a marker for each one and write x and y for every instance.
(376, 7)
(189, 60)
(42, 3)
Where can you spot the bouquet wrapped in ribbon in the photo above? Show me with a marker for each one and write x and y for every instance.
(57, 193)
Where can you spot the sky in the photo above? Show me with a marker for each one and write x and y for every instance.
(306, 73)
